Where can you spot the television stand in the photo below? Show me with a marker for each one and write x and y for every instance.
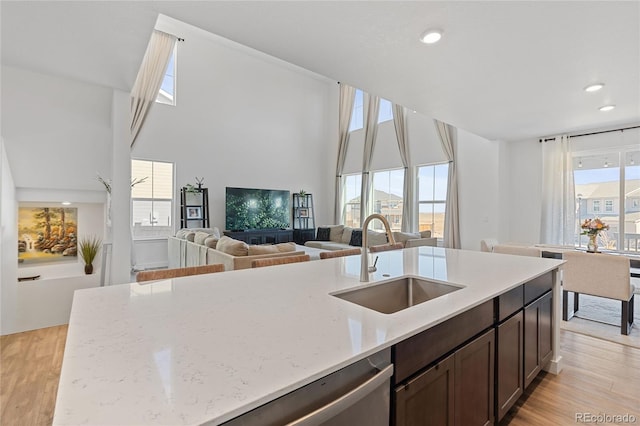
(262, 236)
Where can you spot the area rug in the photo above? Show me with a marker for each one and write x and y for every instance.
(599, 317)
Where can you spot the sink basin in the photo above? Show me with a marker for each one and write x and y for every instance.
(396, 295)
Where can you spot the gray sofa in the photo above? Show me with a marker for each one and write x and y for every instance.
(339, 237)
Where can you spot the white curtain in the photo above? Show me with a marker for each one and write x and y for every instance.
(149, 79)
(558, 222)
(370, 133)
(347, 97)
(448, 135)
(400, 124)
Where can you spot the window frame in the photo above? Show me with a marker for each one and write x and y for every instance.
(435, 201)
(172, 98)
(171, 228)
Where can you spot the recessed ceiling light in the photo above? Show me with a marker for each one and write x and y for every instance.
(431, 36)
(66, 203)
(594, 87)
(607, 107)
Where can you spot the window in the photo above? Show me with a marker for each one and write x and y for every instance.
(351, 200)
(385, 113)
(167, 93)
(151, 198)
(357, 116)
(600, 192)
(387, 198)
(432, 197)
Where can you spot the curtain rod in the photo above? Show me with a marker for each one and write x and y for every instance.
(592, 133)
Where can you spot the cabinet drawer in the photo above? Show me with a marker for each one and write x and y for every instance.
(537, 287)
(509, 303)
(421, 350)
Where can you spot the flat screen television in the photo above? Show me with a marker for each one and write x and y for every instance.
(248, 208)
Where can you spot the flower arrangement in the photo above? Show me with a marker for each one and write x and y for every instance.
(593, 226)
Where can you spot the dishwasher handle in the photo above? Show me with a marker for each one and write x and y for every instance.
(340, 404)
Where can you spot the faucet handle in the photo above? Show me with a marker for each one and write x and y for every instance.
(373, 268)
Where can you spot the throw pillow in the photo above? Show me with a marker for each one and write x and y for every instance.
(346, 235)
(286, 247)
(376, 238)
(200, 236)
(189, 236)
(425, 234)
(182, 233)
(335, 233)
(323, 234)
(356, 238)
(211, 242)
(402, 237)
(262, 249)
(232, 247)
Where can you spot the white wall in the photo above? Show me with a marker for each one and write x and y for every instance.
(57, 131)
(478, 189)
(8, 245)
(56, 136)
(244, 119)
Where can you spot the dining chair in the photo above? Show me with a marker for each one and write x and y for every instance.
(601, 275)
(160, 274)
(271, 261)
(517, 250)
(386, 247)
(339, 253)
(421, 242)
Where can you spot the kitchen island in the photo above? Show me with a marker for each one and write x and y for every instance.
(208, 348)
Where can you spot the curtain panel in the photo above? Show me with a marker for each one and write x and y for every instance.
(408, 196)
(149, 79)
(370, 133)
(347, 97)
(448, 136)
(558, 219)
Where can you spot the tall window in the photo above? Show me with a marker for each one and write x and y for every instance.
(357, 116)
(351, 192)
(432, 198)
(385, 113)
(151, 198)
(167, 92)
(607, 185)
(387, 197)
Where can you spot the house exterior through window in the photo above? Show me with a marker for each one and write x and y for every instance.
(151, 199)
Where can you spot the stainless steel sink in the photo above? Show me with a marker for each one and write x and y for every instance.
(396, 295)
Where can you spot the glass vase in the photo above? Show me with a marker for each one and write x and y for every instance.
(592, 246)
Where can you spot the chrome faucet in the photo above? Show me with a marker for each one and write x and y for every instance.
(365, 269)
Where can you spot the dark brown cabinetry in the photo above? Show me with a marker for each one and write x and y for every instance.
(445, 375)
(510, 385)
(458, 390)
(537, 336)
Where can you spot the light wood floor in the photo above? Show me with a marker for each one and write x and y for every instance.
(599, 377)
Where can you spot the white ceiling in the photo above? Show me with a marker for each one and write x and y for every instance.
(504, 70)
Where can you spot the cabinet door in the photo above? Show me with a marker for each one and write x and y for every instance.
(537, 336)
(427, 399)
(509, 364)
(473, 381)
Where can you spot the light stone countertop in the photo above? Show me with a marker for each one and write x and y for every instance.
(208, 348)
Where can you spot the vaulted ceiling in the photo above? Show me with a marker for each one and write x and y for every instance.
(503, 70)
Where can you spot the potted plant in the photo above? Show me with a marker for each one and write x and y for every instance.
(89, 248)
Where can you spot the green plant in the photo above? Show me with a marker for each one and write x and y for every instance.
(89, 248)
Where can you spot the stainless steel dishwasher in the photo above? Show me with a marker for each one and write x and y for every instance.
(355, 395)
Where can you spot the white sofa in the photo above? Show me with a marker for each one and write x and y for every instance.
(339, 237)
(193, 248)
